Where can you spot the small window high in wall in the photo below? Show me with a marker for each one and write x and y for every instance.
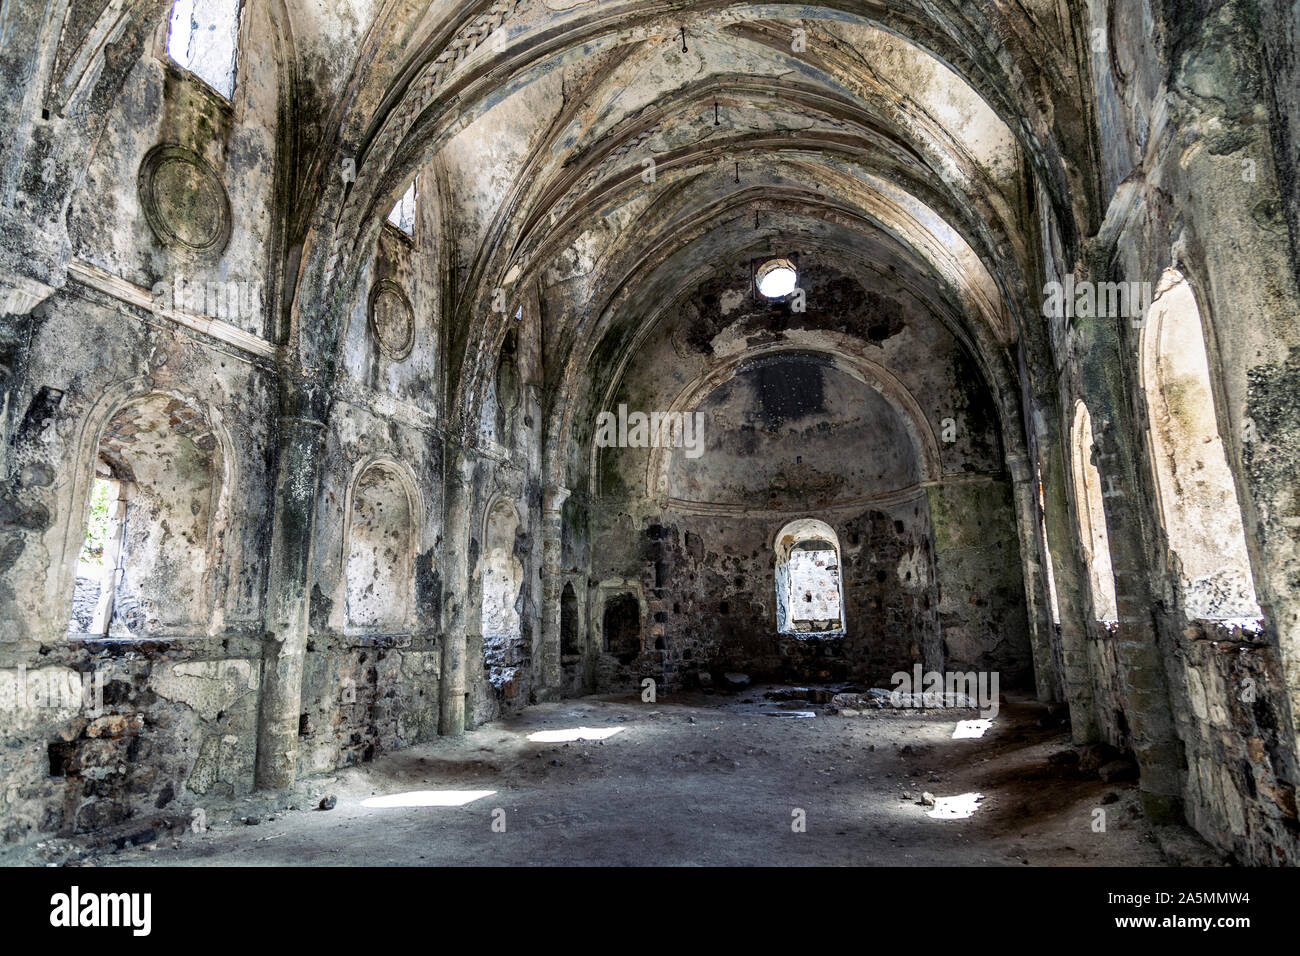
(1092, 517)
(203, 38)
(1197, 495)
(403, 214)
(809, 591)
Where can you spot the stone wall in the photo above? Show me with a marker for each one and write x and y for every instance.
(376, 507)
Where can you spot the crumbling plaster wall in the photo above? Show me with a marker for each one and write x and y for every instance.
(507, 670)
(1187, 151)
(179, 718)
(809, 436)
(177, 157)
(165, 725)
(709, 590)
(1194, 107)
(370, 689)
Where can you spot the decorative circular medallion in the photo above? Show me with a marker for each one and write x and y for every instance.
(183, 199)
(392, 319)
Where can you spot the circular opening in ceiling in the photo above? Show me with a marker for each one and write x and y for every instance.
(776, 278)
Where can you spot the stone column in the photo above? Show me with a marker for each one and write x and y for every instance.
(1142, 666)
(455, 582)
(1025, 494)
(552, 587)
(287, 598)
(1061, 531)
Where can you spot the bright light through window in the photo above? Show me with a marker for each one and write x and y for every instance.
(777, 278)
(203, 37)
(403, 214)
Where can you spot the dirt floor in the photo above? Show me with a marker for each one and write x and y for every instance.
(698, 780)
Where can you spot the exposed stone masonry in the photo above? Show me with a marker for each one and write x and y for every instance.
(360, 499)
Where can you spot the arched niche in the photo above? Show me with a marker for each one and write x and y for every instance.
(502, 395)
(153, 494)
(826, 392)
(379, 545)
(571, 640)
(502, 577)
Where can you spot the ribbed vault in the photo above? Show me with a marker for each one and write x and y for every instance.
(864, 130)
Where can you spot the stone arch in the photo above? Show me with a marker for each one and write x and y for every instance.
(917, 426)
(1195, 493)
(171, 465)
(413, 126)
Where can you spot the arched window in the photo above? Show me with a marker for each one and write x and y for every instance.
(403, 213)
(1048, 570)
(1198, 499)
(380, 552)
(1092, 519)
(621, 627)
(149, 558)
(203, 38)
(99, 561)
(809, 591)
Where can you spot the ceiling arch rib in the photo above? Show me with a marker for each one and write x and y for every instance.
(618, 161)
(924, 442)
(899, 128)
(614, 155)
(818, 205)
(860, 201)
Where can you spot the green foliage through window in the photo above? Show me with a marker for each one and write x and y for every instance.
(101, 498)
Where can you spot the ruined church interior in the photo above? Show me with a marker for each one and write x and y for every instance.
(608, 433)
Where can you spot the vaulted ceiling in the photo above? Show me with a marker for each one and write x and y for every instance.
(608, 157)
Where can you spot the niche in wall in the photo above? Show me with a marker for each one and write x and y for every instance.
(570, 637)
(380, 548)
(621, 627)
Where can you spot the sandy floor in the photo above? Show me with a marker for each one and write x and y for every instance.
(698, 780)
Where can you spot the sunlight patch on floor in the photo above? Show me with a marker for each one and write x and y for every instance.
(427, 798)
(576, 733)
(955, 808)
(968, 729)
